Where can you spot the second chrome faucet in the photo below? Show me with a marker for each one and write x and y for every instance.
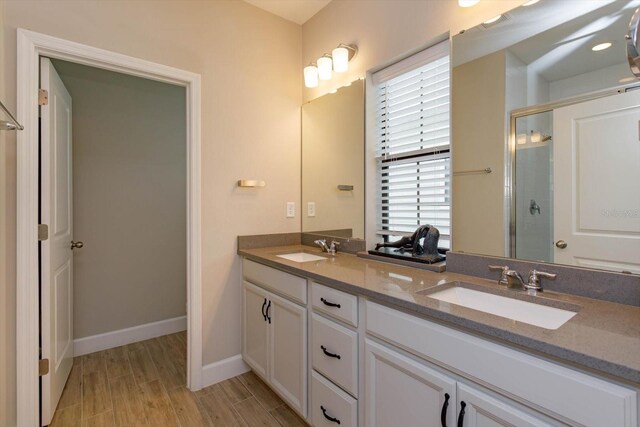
(512, 279)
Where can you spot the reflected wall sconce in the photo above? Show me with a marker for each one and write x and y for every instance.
(468, 3)
(535, 137)
(326, 65)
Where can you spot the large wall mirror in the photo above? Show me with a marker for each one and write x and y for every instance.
(544, 97)
(333, 163)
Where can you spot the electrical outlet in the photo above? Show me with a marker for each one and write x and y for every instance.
(311, 209)
(291, 209)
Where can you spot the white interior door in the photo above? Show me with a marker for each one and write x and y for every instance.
(56, 256)
(596, 176)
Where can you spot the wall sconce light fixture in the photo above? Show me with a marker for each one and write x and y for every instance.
(337, 62)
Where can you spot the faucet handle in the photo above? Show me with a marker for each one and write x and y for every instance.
(534, 279)
(333, 247)
(503, 277)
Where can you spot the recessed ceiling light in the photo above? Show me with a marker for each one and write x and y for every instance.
(468, 3)
(492, 20)
(601, 46)
(531, 2)
(627, 80)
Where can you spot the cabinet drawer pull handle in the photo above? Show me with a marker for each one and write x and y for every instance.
(324, 349)
(329, 417)
(461, 415)
(264, 315)
(269, 312)
(330, 304)
(443, 414)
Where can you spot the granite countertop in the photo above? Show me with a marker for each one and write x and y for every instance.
(603, 336)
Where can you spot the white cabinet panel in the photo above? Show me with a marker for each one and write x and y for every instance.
(482, 410)
(288, 351)
(254, 328)
(331, 406)
(402, 392)
(334, 352)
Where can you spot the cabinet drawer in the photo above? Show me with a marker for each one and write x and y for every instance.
(282, 283)
(335, 303)
(551, 388)
(330, 341)
(331, 406)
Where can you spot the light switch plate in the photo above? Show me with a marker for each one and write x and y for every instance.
(311, 209)
(291, 209)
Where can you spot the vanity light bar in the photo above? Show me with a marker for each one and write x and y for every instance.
(324, 67)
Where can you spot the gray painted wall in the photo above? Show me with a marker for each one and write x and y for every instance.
(129, 177)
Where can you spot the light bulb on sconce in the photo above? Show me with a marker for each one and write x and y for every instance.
(340, 57)
(468, 3)
(311, 75)
(325, 67)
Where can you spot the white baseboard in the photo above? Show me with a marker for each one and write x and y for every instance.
(216, 372)
(113, 339)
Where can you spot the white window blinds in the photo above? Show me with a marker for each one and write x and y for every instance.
(412, 141)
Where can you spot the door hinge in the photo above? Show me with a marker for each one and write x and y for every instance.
(43, 367)
(43, 232)
(43, 97)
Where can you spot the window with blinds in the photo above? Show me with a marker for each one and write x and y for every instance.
(413, 144)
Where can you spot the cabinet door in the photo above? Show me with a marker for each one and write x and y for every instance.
(255, 328)
(400, 391)
(288, 351)
(482, 410)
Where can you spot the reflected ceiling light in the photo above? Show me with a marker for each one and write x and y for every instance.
(492, 20)
(531, 2)
(468, 3)
(311, 75)
(521, 138)
(325, 67)
(601, 46)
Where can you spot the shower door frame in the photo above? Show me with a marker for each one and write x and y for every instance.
(510, 163)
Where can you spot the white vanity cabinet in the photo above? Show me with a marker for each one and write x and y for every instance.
(334, 356)
(403, 392)
(274, 335)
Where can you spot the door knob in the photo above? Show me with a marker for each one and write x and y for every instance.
(76, 245)
(561, 244)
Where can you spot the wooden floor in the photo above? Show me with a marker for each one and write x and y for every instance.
(143, 384)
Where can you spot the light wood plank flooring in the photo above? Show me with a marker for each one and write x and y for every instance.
(143, 384)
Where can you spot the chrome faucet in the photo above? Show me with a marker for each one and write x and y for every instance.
(512, 279)
(331, 249)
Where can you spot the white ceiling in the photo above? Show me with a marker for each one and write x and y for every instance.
(298, 11)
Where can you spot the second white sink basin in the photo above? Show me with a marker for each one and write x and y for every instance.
(301, 257)
(511, 308)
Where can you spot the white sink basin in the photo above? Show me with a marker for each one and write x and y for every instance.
(515, 309)
(301, 257)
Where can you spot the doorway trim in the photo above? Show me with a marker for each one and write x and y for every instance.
(30, 47)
